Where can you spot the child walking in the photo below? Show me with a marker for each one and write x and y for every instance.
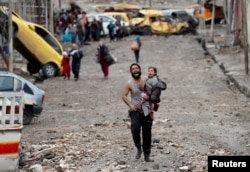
(66, 65)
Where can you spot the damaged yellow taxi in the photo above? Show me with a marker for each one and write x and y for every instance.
(150, 21)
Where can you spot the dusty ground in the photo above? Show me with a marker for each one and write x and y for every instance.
(85, 127)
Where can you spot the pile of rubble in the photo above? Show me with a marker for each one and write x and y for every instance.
(80, 150)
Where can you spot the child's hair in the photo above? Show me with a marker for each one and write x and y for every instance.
(154, 68)
(148, 83)
(65, 54)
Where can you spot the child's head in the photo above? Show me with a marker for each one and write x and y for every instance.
(100, 43)
(65, 54)
(152, 71)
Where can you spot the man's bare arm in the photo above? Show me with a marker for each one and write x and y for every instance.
(125, 93)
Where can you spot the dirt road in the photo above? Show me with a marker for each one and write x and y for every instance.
(85, 127)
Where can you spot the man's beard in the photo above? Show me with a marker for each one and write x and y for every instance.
(137, 75)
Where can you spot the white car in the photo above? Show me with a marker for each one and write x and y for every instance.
(105, 20)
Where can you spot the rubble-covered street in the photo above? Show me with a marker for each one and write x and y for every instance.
(85, 126)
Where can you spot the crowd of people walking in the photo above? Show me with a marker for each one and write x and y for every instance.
(74, 26)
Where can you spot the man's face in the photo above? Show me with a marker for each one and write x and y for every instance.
(135, 72)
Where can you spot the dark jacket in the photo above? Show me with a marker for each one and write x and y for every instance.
(102, 52)
(76, 55)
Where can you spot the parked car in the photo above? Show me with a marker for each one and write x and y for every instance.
(41, 49)
(33, 96)
(142, 20)
(105, 21)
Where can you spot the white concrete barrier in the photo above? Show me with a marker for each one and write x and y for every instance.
(11, 124)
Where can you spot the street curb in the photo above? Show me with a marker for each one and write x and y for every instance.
(243, 89)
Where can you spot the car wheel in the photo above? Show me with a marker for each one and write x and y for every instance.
(33, 68)
(27, 115)
(49, 70)
(147, 31)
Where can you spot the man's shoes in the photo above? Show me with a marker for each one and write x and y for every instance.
(139, 151)
(138, 154)
(147, 159)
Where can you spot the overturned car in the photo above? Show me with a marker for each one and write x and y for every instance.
(35, 43)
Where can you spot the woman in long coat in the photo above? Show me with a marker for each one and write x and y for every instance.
(102, 52)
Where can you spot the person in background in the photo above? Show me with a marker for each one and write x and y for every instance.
(139, 122)
(83, 21)
(118, 31)
(111, 28)
(102, 52)
(95, 30)
(62, 21)
(137, 51)
(5, 58)
(102, 33)
(78, 36)
(87, 30)
(76, 55)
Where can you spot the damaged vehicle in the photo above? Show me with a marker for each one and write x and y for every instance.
(120, 7)
(182, 15)
(206, 12)
(148, 22)
(35, 43)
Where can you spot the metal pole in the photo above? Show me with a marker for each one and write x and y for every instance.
(46, 3)
(51, 17)
(212, 21)
(202, 25)
(244, 24)
(229, 16)
(10, 31)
